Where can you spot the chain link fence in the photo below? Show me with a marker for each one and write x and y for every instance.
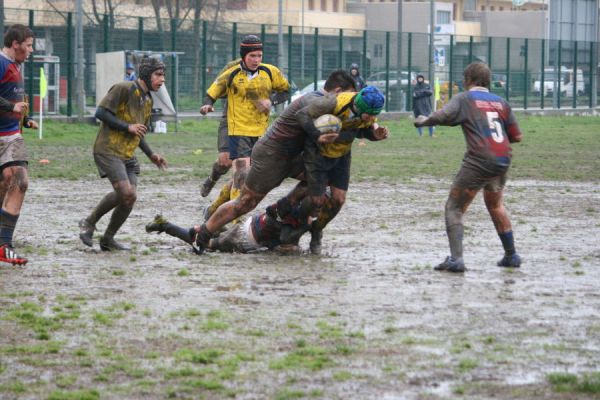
(530, 73)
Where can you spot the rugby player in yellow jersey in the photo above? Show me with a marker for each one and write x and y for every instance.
(248, 87)
(125, 116)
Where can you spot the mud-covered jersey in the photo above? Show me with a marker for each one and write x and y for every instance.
(352, 124)
(286, 133)
(131, 104)
(243, 90)
(12, 89)
(487, 121)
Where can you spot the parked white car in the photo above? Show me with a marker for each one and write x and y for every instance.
(566, 82)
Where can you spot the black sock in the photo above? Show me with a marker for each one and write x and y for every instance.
(185, 234)
(7, 226)
(108, 202)
(117, 219)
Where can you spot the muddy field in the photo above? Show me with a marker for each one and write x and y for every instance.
(369, 319)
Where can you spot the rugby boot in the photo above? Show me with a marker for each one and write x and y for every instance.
(207, 186)
(86, 232)
(157, 225)
(451, 265)
(108, 243)
(290, 249)
(291, 234)
(8, 255)
(510, 261)
(201, 239)
(316, 235)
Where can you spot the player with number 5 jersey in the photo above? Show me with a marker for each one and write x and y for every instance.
(489, 126)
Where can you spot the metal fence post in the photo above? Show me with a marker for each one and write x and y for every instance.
(105, 44)
(558, 78)
(289, 62)
(470, 49)
(525, 80)
(30, 67)
(316, 61)
(542, 81)
(173, 77)
(450, 71)
(409, 70)
(263, 33)
(591, 84)
(69, 64)
(575, 74)
(507, 87)
(387, 70)
(364, 65)
(489, 53)
(341, 49)
(203, 58)
(234, 49)
(140, 33)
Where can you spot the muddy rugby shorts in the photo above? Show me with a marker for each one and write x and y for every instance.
(472, 177)
(116, 169)
(13, 152)
(270, 167)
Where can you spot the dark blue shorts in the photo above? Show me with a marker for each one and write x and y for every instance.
(241, 146)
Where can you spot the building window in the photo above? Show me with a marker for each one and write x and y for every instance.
(237, 5)
(443, 17)
(311, 4)
(482, 8)
(454, 11)
(492, 8)
(378, 50)
(500, 8)
(323, 5)
(336, 5)
(470, 5)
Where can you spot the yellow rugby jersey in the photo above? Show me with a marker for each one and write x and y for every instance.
(243, 118)
(343, 145)
(129, 103)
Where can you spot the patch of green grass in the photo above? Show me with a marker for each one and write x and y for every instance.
(49, 347)
(287, 393)
(183, 272)
(342, 376)
(118, 272)
(327, 331)
(65, 381)
(310, 357)
(13, 387)
(205, 356)
(545, 153)
(565, 382)
(467, 364)
(90, 394)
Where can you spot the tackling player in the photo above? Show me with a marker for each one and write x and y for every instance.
(489, 126)
(248, 87)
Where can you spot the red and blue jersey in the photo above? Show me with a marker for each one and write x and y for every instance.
(487, 121)
(12, 89)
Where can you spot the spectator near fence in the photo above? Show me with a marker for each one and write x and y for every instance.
(422, 102)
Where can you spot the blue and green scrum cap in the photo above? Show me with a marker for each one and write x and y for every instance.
(369, 100)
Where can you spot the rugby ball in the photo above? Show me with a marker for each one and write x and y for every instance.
(328, 123)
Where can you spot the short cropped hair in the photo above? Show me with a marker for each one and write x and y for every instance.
(17, 32)
(339, 78)
(478, 74)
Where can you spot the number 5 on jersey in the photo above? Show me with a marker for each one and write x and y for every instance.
(495, 126)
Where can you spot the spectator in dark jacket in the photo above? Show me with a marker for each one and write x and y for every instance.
(422, 101)
(359, 82)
